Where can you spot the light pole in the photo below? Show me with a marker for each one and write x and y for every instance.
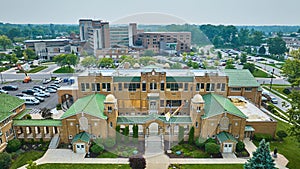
(271, 79)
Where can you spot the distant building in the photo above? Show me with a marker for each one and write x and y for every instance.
(48, 48)
(292, 43)
(122, 34)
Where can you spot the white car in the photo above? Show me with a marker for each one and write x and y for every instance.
(50, 90)
(3, 91)
(42, 94)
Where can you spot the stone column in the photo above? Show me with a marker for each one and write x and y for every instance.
(51, 131)
(25, 132)
(33, 132)
(42, 132)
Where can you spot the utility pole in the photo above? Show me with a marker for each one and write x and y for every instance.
(271, 80)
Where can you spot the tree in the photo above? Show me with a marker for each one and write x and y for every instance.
(277, 46)
(30, 54)
(229, 65)
(4, 41)
(46, 113)
(137, 162)
(250, 67)
(243, 58)
(126, 133)
(148, 53)
(105, 62)
(181, 134)
(261, 158)
(240, 146)
(176, 66)
(195, 65)
(5, 160)
(97, 148)
(291, 68)
(18, 51)
(294, 114)
(191, 135)
(281, 134)
(31, 165)
(219, 54)
(135, 135)
(212, 148)
(146, 60)
(66, 59)
(88, 61)
(13, 145)
(262, 50)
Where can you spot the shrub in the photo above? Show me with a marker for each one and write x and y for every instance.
(240, 146)
(191, 135)
(109, 142)
(28, 116)
(212, 148)
(97, 148)
(210, 140)
(281, 134)
(286, 91)
(137, 162)
(259, 137)
(200, 142)
(5, 160)
(13, 145)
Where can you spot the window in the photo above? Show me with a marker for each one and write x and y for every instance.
(173, 103)
(95, 87)
(207, 87)
(82, 87)
(248, 89)
(198, 87)
(223, 87)
(237, 136)
(153, 86)
(70, 137)
(218, 86)
(162, 86)
(212, 87)
(111, 124)
(85, 86)
(144, 86)
(131, 86)
(120, 86)
(198, 109)
(235, 89)
(106, 86)
(174, 86)
(186, 86)
(1, 141)
(109, 109)
(162, 103)
(197, 124)
(236, 123)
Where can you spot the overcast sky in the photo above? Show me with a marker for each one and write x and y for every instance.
(237, 12)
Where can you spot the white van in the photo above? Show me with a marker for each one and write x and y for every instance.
(30, 100)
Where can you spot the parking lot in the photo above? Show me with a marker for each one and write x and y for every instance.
(50, 102)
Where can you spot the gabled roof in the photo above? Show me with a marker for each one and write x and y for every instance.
(8, 103)
(217, 104)
(224, 136)
(241, 78)
(85, 137)
(92, 105)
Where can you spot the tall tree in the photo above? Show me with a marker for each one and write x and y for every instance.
(262, 50)
(88, 61)
(249, 66)
(229, 64)
(277, 46)
(29, 53)
(4, 41)
(243, 58)
(291, 68)
(191, 135)
(294, 114)
(261, 158)
(105, 62)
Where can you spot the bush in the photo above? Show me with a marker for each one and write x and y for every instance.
(13, 145)
(138, 162)
(210, 140)
(200, 142)
(286, 91)
(212, 148)
(240, 146)
(259, 137)
(97, 148)
(5, 160)
(109, 142)
(281, 134)
(28, 116)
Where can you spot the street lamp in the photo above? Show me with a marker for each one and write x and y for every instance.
(271, 79)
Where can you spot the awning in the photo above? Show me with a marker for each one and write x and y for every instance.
(84, 137)
(224, 136)
(249, 128)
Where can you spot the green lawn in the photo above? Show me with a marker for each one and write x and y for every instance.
(212, 166)
(64, 70)
(289, 147)
(260, 73)
(24, 157)
(190, 151)
(35, 70)
(84, 166)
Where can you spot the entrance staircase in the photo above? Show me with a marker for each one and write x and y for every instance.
(54, 142)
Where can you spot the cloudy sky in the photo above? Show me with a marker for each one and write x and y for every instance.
(237, 12)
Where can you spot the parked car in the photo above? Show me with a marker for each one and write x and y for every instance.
(50, 90)
(29, 91)
(46, 81)
(40, 94)
(22, 95)
(40, 98)
(274, 100)
(52, 87)
(30, 100)
(3, 91)
(10, 88)
(56, 85)
(40, 87)
(57, 80)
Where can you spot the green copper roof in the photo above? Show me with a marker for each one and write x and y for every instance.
(249, 128)
(92, 105)
(37, 122)
(224, 136)
(217, 104)
(8, 103)
(180, 79)
(240, 78)
(85, 137)
(4, 115)
(144, 119)
(126, 79)
(22, 114)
